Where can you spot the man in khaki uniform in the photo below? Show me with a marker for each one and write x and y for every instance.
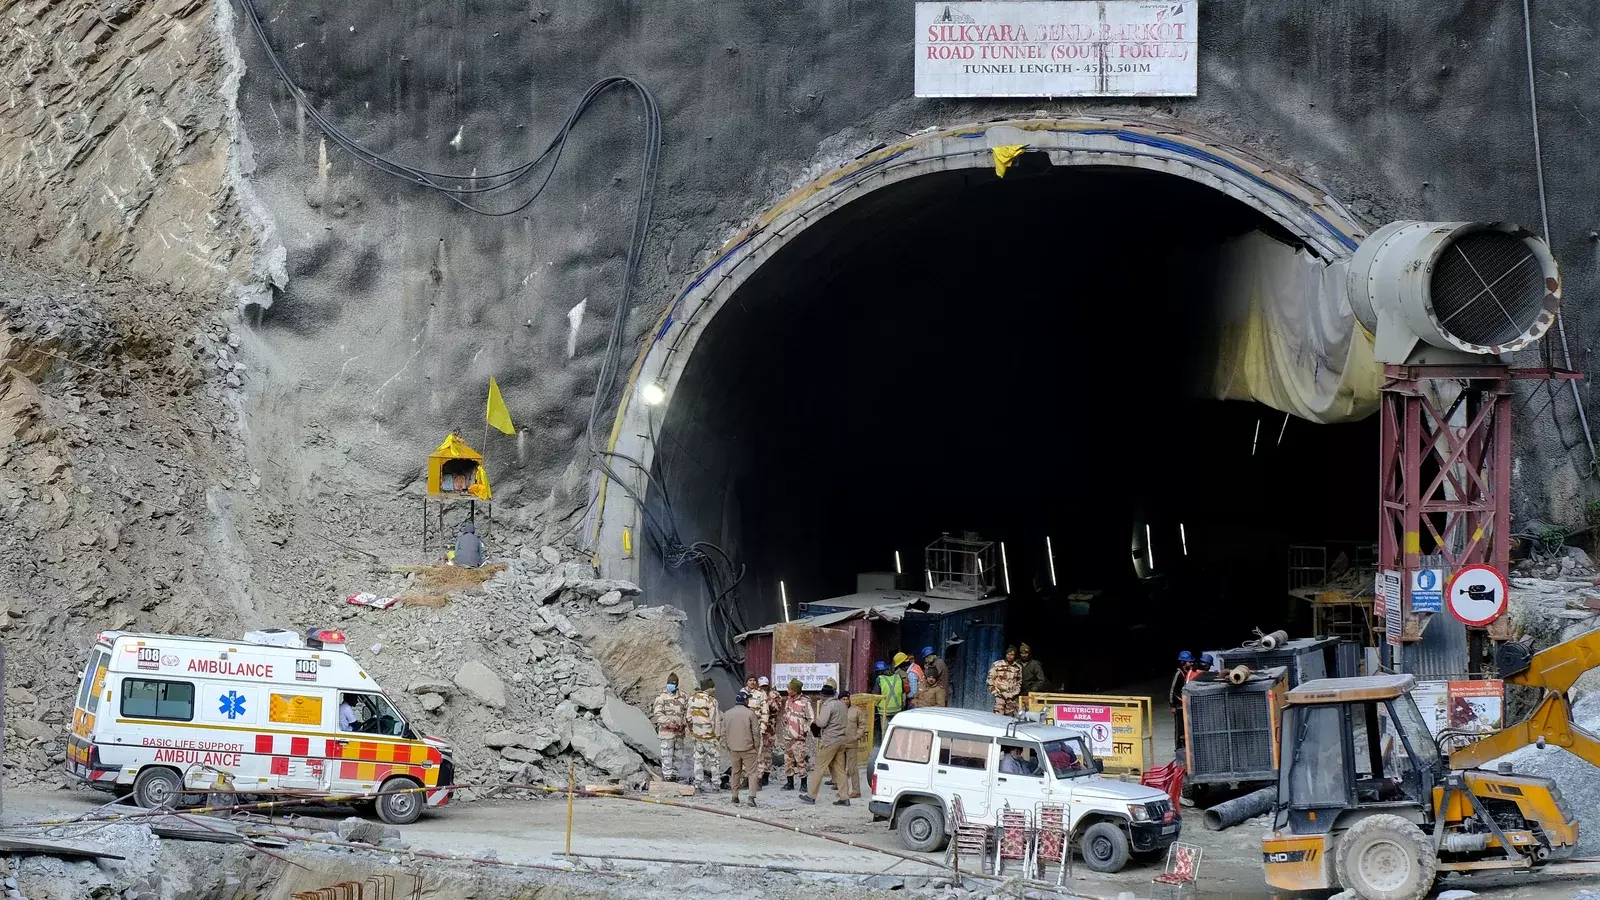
(741, 734)
(855, 725)
(831, 727)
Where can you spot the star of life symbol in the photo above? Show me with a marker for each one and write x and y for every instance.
(232, 704)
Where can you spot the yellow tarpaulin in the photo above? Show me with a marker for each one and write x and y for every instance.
(1005, 156)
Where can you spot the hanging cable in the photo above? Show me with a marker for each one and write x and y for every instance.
(1544, 218)
(724, 619)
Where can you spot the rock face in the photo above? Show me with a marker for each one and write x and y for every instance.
(638, 653)
(482, 684)
(632, 725)
(604, 749)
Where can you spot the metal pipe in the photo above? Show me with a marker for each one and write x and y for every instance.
(1274, 640)
(1544, 219)
(1239, 809)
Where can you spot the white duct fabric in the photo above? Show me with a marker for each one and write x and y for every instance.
(1287, 335)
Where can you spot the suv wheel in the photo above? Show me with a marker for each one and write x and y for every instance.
(1104, 846)
(921, 827)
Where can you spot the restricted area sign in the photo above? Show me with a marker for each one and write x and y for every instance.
(1094, 719)
(1477, 594)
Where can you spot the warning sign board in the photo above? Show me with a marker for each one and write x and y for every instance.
(1120, 729)
(1477, 595)
(1427, 591)
(1093, 718)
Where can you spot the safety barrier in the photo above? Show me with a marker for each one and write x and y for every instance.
(1121, 730)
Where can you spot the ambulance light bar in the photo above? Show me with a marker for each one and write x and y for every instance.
(324, 638)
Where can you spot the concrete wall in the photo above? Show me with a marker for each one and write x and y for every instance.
(399, 306)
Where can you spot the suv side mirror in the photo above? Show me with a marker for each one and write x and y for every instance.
(1099, 765)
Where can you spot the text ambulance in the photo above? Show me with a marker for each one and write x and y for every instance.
(160, 714)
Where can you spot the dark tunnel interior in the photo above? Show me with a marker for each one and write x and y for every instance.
(1021, 358)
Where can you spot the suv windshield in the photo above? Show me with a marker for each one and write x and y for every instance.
(1068, 758)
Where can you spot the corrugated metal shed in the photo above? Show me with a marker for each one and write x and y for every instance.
(1441, 652)
(874, 631)
(969, 634)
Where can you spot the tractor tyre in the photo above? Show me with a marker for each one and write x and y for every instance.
(1387, 858)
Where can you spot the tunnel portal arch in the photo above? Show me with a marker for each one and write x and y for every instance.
(1303, 209)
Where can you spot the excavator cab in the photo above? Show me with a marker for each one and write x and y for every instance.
(1357, 760)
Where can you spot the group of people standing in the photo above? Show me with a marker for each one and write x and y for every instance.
(1189, 669)
(750, 731)
(1012, 677)
(908, 684)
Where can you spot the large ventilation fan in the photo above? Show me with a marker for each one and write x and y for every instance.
(1458, 287)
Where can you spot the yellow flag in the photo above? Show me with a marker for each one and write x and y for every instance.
(497, 414)
(1005, 156)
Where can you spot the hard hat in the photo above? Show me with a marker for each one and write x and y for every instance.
(1185, 656)
(927, 651)
(880, 666)
(741, 698)
(1207, 659)
(763, 681)
(900, 658)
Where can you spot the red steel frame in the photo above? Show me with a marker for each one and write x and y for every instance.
(1444, 488)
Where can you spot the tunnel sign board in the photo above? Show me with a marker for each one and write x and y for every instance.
(1057, 48)
(1477, 595)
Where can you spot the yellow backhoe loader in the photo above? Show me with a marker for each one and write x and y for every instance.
(1367, 801)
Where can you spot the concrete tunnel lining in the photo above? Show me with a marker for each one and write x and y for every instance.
(1304, 210)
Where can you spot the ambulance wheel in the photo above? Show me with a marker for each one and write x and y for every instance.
(157, 787)
(1387, 858)
(400, 808)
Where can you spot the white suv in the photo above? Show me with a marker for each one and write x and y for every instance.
(931, 756)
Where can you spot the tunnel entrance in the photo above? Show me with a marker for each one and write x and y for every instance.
(1024, 358)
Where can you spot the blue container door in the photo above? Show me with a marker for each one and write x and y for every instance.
(969, 666)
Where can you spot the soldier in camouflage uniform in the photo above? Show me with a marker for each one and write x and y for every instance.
(704, 719)
(669, 715)
(767, 703)
(1005, 683)
(797, 718)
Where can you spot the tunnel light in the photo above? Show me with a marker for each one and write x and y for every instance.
(929, 574)
(1257, 439)
(1050, 551)
(897, 569)
(653, 393)
(1149, 549)
(784, 593)
(1184, 537)
(1005, 566)
(1283, 428)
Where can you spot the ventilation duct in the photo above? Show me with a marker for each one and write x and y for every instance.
(1458, 287)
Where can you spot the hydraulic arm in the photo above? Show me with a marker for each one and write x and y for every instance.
(1554, 669)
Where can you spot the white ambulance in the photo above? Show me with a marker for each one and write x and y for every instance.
(161, 716)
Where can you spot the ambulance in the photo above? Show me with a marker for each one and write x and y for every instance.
(163, 717)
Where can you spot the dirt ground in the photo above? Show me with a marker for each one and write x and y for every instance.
(533, 831)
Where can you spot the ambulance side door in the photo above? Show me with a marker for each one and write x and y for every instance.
(301, 758)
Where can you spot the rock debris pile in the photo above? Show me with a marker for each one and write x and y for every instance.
(516, 675)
